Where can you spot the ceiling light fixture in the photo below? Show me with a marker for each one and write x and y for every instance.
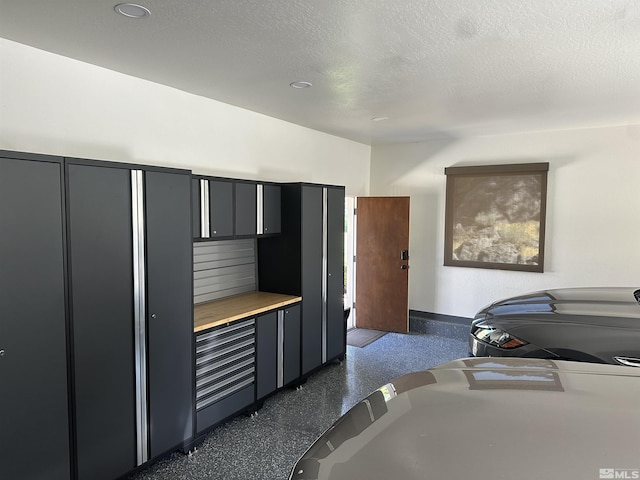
(300, 84)
(379, 119)
(132, 10)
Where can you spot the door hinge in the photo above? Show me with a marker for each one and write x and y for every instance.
(355, 211)
(353, 305)
(354, 259)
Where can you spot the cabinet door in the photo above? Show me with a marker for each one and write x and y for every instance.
(221, 208)
(33, 371)
(169, 310)
(336, 326)
(311, 278)
(271, 209)
(246, 209)
(291, 345)
(266, 354)
(101, 246)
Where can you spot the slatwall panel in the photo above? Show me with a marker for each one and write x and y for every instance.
(223, 268)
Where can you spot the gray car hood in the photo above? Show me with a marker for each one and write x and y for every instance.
(611, 306)
(488, 418)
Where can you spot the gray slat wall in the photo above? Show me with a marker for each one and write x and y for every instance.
(223, 268)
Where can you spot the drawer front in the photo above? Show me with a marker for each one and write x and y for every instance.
(225, 361)
(217, 412)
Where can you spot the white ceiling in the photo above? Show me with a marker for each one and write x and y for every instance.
(433, 67)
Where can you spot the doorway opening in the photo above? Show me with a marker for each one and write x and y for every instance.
(349, 258)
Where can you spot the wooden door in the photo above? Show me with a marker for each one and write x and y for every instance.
(382, 265)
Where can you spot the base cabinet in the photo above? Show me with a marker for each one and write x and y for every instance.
(34, 438)
(290, 344)
(225, 371)
(267, 354)
(278, 350)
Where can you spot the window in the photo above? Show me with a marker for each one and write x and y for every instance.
(495, 216)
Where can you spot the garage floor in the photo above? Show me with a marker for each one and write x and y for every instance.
(266, 446)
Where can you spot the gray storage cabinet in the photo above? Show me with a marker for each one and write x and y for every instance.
(129, 234)
(306, 259)
(221, 208)
(277, 350)
(246, 209)
(33, 354)
(271, 209)
(225, 371)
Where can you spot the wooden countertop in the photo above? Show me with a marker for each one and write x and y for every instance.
(218, 312)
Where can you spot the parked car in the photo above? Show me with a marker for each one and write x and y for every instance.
(600, 325)
(487, 419)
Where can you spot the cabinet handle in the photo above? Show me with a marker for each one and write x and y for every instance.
(1, 353)
(153, 315)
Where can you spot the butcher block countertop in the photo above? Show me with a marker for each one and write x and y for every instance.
(218, 312)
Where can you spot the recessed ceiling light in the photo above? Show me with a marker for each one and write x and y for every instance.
(132, 10)
(379, 119)
(300, 84)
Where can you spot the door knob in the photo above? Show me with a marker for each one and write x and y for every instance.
(404, 267)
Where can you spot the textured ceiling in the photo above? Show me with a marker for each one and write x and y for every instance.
(439, 67)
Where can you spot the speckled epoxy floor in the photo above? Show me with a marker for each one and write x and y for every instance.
(266, 446)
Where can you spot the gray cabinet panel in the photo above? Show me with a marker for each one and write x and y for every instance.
(225, 408)
(336, 327)
(291, 344)
(225, 371)
(169, 310)
(195, 208)
(221, 208)
(246, 208)
(33, 369)
(266, 354)
(311, 218)
(100, 235)
(271, 209)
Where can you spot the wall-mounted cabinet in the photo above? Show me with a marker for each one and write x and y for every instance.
(246, 213)
(227, 208)
(271, 208)
(33, 345)
(221, 209)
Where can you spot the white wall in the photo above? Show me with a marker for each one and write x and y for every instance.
(593, 204)
(56, 105)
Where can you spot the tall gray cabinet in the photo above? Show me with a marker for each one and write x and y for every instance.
(307, 260)
(33, 351)
(130, 260)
